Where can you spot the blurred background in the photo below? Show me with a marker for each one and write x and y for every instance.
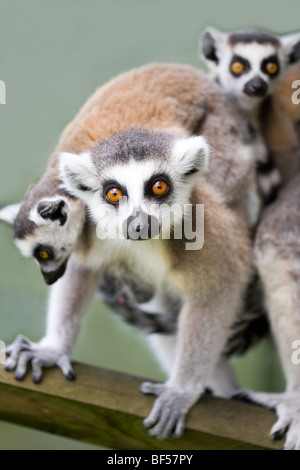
(53, 55)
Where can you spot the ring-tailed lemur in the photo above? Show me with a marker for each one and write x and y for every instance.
(179, 99)
(52, 226)
(277, 255)
(277, 258)
(249, 65)
(129, 182)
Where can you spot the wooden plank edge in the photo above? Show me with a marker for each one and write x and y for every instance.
(114, 418)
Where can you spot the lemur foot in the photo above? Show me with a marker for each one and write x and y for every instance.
(287, 408)
(23, 351)
(168, 414)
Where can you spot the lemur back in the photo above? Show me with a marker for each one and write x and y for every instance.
(179, 99)
(281, 125)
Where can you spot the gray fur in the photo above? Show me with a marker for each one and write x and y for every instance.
(253, 35)
(23, 226)
(137, 144)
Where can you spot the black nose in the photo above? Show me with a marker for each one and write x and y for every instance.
(51, 277)
(141, 226)
(256, 87)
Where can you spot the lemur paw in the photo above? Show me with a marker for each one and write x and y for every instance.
(168, 414)
(23, 351)
(287, 408)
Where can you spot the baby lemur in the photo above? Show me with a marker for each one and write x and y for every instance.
(250, 65)
(144, 120)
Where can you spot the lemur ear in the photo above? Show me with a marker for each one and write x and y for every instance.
(9, 213)
(78, 173)
(53, 210)
(291, 45)
(191, 154)
(210, 43)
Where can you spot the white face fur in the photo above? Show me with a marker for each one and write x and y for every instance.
(250, 69)
(131, 199)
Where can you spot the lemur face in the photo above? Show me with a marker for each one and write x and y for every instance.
(48, 233)
(249, 64)
(130, 180)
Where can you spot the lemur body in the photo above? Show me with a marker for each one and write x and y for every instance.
(250, 65)
(52, 226)
(276, 248)
(277, 258)
(131, 164)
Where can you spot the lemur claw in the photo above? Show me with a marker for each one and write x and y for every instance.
(23, 351)
(169, 411)
(287, 408)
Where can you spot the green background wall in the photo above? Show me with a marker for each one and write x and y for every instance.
(53, 54)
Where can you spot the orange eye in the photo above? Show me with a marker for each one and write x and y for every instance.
(160, 188)
(272, 68)
(43, 254)
(237, 67)
(114, 195)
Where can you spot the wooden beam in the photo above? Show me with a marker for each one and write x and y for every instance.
(106, 408)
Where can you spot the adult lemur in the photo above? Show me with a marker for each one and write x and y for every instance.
(158, 107)
(277, 258)
(277, 255)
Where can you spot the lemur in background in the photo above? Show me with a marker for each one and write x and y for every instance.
(277, 258)
(276, 248)
(208, 287)
(249, 65)
(277, 255)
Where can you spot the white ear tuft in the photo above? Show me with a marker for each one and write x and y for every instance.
(291, 45)
(9, 213)
(191, 154)
(78, 172)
